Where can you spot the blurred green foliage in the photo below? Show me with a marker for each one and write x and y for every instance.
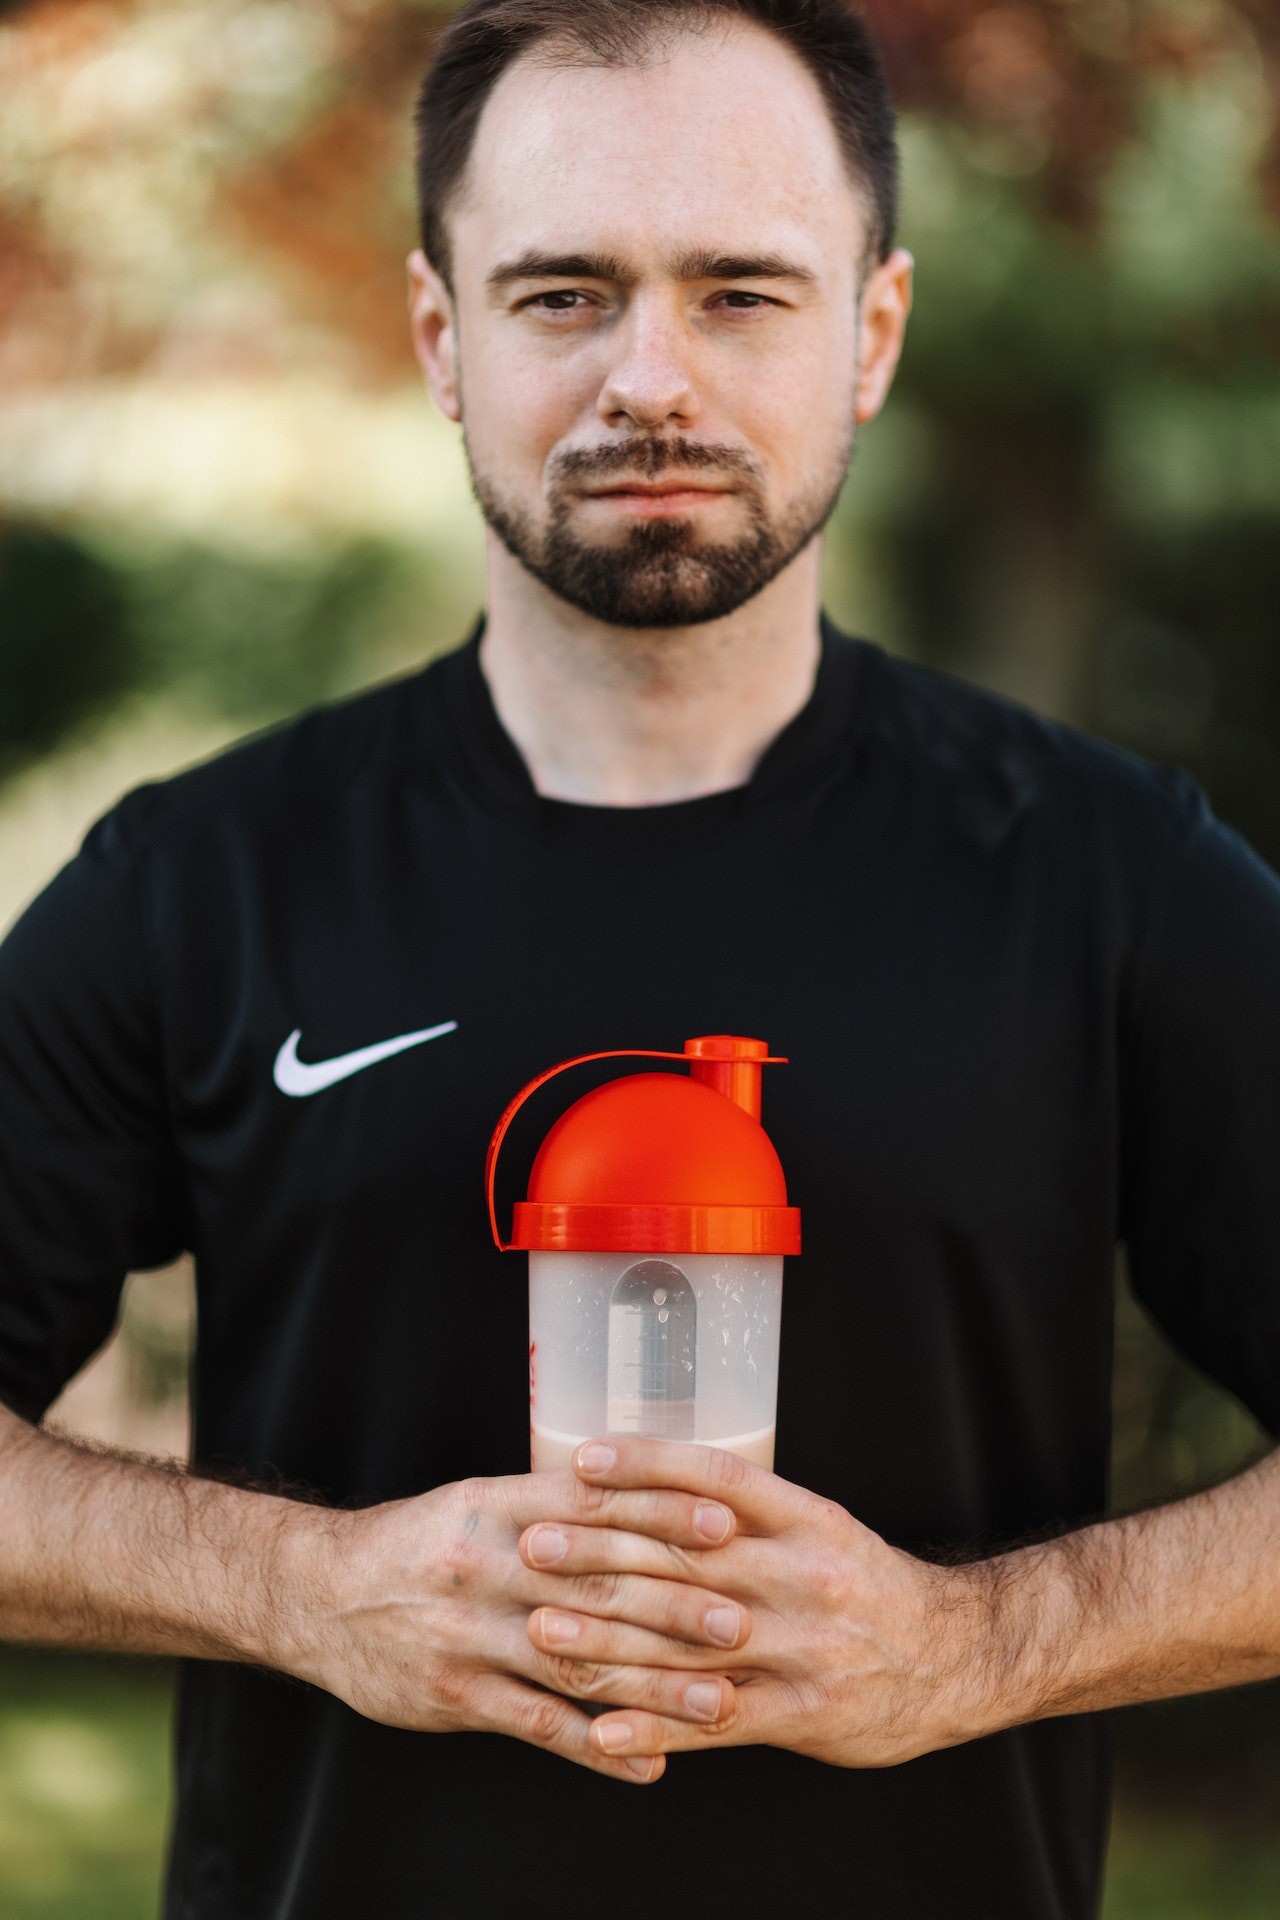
(1195, 1872)
(256, 635)
(86, 621)
(84, 1786)
(1084, 509)
(65, 644)
(1173, 1430)
(1191, 668)
(84, 1795)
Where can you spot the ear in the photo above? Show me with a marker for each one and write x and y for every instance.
(435, 333)
(885, 305)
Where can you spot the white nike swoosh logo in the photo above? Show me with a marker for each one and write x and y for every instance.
(297, 1079)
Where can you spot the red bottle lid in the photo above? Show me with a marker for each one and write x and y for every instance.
(657, 1163)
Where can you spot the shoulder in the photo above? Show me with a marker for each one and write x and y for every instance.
(279, 781)
(996, 766)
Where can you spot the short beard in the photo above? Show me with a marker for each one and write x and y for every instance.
(660, 575)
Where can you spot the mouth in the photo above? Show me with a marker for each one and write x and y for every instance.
(659, 496)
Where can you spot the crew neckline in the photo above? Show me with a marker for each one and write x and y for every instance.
(815, 746)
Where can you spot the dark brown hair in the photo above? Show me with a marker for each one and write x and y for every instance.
(487, 36)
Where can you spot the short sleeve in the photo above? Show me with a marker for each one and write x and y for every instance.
(1201, 1193)
(90, 1184)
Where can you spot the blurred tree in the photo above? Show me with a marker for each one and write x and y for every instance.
(1196, 679)
(256, 636)
(1087, 190)
(64, 638)
(1061, 85)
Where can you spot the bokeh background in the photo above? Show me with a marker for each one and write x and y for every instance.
(223, 497)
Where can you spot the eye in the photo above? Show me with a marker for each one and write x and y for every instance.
(557, 300)
(741, 300)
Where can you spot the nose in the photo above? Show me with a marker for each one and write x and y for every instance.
(649, 383)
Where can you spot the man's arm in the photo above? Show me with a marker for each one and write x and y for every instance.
(862, 1655)
(413, 1612)
(1179, 1599)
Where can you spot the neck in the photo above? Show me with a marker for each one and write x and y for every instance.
(625, 717)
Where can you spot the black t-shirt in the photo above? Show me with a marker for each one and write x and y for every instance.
(1028, 987)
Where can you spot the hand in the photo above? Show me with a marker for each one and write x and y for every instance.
(421, 1619)
(856, 1651)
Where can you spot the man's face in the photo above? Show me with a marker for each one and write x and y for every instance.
(656, 273)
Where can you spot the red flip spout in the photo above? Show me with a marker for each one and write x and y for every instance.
(731, 1066)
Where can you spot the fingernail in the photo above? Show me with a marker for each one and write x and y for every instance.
(721, 1625)
(547, 1545)
(711, 1522)
(559, 1628)
(614, 1737)
(595, 1458)
(643, 1769)
(703, 1698)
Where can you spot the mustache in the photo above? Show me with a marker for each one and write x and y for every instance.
(647, 459)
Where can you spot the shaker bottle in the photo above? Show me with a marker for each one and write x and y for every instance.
(656, 1224)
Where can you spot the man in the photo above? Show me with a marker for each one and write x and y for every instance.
(1027, 986)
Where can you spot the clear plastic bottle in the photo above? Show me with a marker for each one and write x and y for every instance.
(603, 1361)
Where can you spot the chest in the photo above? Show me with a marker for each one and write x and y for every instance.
(948, 1012)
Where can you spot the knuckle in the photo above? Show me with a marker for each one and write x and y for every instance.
(582, 1678)
(675, 1560)
(543, 1719)
(474, 1501)
(676, 1616)
(460, 1559)
(833, 1518)
(448, 1685)
(732, 1472)
(590, 1501)
(597, 1592)
(826, 1578)
(457, 1560)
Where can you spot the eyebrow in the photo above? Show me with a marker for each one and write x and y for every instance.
(533, 265)
(703, 265)
(698, 265)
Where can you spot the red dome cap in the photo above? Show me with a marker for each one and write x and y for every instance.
(658, 1163)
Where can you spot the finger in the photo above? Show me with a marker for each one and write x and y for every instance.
(503, 1704)
(693, 1616)
(682, 1519)
(635, 1733)
(659, 1691)
(585, 1668)
(759, 1499)
(580, 1637)
(564, 1549)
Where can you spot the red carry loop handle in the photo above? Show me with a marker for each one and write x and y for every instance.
(500, 1131)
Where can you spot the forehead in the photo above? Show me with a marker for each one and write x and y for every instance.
(718, 139)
